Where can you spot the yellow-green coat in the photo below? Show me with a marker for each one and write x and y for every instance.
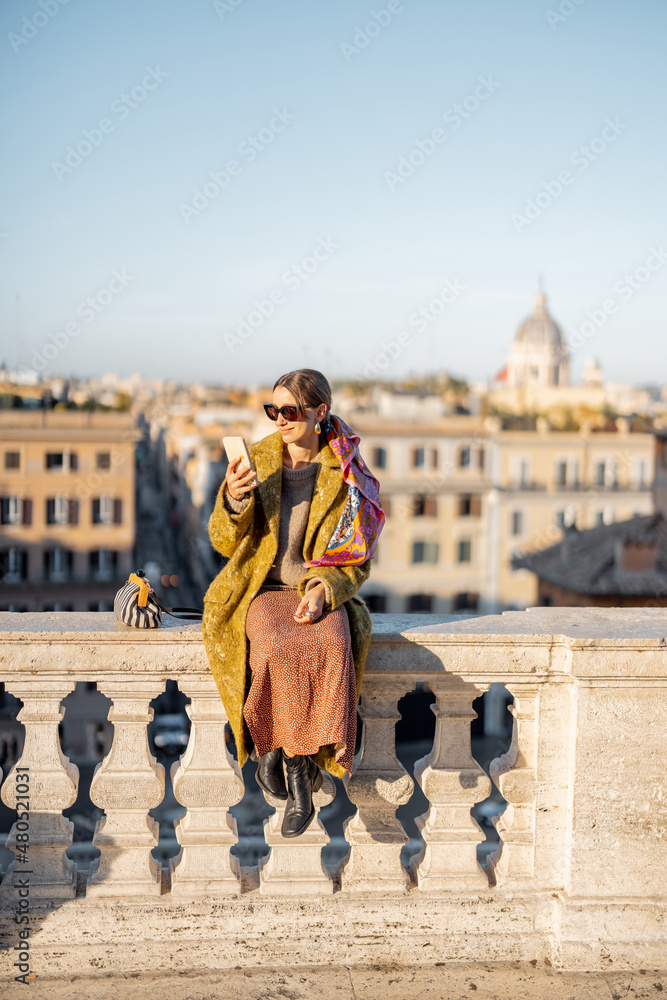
(250, 541)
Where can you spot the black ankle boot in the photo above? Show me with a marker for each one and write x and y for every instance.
(303, 778)
(270, 777)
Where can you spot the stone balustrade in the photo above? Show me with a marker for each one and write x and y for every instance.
(577, 881)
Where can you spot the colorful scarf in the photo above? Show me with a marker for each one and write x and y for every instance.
(356, 536)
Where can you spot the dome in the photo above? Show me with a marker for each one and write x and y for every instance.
(540, 328)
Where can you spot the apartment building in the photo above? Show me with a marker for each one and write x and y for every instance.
(67, 508)
(463, 496)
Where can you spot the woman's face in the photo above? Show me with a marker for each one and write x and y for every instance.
(303, 429)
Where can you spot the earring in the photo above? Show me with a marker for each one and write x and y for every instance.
(318, 429)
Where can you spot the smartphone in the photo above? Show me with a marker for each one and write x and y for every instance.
(236, 447)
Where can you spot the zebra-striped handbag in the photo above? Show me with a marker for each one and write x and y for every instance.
(137, 604)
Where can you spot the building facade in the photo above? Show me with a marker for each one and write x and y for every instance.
(463, 497)
(67, 508)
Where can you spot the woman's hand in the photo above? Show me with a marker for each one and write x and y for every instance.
(240, 482)
(310, 607)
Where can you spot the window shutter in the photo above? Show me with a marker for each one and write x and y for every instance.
(96, 510)
(51, 511)
(476, 506)
(73, 461)
(117, 511)
(27, 511)
(4, 510)
(94, 560)
(69, 559)
(73, 512)
(23, 558)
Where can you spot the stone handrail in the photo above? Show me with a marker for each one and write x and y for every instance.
(579, 875)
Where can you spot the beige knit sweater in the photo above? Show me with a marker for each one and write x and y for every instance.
(295, 498)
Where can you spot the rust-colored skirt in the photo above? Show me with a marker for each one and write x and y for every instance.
(303, 692)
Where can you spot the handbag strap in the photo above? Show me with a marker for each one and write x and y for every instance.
(185, 614)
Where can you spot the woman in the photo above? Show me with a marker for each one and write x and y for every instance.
(284, 631)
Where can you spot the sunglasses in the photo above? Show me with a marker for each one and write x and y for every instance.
(290, 413)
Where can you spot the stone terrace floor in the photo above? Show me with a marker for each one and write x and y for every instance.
(450, 982)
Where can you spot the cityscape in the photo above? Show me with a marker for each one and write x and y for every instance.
(104, 476)
(383, 718)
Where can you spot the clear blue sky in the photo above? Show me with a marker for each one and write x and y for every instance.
(219, 73)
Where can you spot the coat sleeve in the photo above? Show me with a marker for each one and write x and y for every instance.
(342, 582)
(225, 528)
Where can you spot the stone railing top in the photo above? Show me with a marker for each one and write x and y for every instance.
(607, 645)
(643, 626)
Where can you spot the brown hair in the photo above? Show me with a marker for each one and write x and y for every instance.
(308, 386)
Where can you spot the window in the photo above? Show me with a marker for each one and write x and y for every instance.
(561, 473)
(470, 505)
(434, 458)
(15, 510)
(424, 505)
(58, 565)
(101, 606)
(417, 458)
(377, 603)
(420, 602)
(466, 602)
(106, 510)
(425, 552)
(481, 458)
(517, 522)
(464, 458)
(58, 606)
(519, 471)
(13, 565)
(464, 550)
(62, 461)
(639, 473)
(12, 460)
(103, 460)
(379, 458)
(103, 564)
(61, 510)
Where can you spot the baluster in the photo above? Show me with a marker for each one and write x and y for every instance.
(208, 781)
(293, 866)
(126, 784)
(453, 782)
(378, 785)
(52, 786)
(515, 775)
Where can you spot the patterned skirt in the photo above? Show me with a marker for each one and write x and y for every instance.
(303, 689)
